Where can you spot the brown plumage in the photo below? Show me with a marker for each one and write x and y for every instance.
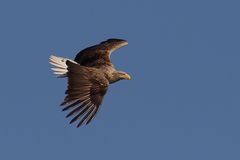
(89, 76)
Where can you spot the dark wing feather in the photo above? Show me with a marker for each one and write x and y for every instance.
(99, 55)
(86, 89)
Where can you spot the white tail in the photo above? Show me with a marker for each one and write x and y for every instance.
(60, 65)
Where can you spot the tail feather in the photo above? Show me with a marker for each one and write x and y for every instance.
(60, 66)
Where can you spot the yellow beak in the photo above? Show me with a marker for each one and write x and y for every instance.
(128, 77)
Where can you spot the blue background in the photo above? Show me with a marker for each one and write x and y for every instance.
(182, 103)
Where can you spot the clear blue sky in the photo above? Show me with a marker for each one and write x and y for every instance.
(183, 102)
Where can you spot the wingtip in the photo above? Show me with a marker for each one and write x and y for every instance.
(72, 121)
(79, 124)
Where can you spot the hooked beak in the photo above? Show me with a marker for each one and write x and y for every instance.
(127, 76)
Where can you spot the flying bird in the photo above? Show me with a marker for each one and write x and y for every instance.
(89, 76)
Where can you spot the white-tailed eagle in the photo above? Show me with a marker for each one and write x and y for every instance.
(89, 76)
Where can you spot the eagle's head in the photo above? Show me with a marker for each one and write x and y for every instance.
(119, 75)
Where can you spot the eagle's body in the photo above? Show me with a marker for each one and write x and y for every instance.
(89, 76)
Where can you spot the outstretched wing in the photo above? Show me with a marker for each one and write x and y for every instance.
(99, 55)
(86, 89)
